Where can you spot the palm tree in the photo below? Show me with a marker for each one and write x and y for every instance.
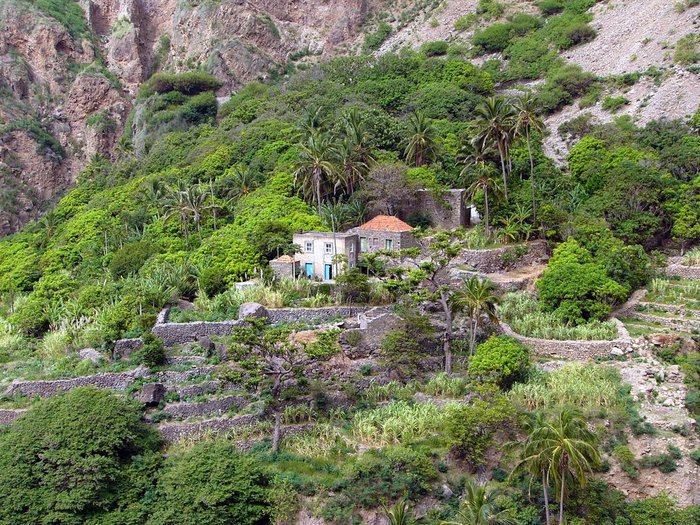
(495, 120)
(421, 143)
(240, 181)
(479, 507)
(176, 205)
(476, 298)
(399, 514)
(353, 167)
(534, 457)
(316, 167)
(527, 120)
(356, 130)
(196, 204)
(572, 450)
(487, 182)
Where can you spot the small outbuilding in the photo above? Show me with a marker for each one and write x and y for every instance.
(385, 232)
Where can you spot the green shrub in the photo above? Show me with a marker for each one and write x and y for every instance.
(493, 38)
(627, 460)
(665, 462)
(551, 7)
(199, 108)
(152, 353)
(374, 40)
(490, 8)
(354, 286)
(687, 50)
(612, 104)
(402, 350)
(129, 259)
(695, 455)
(437, 48)
(190, 83)
(501, 360)
(75, 457)
(212, 482)
(67, 12)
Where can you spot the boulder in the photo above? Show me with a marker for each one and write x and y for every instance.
(248, 310)
(90, 354)
(152, 394)
(207, 344)
(617, 352)
(664, 340)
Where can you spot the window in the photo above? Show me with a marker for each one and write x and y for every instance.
(309, 247)
(328, 247)
(375, 242)
(352, 247)
(363, 244)
(389, 244)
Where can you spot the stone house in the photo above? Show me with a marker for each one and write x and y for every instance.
(318, 260)
(384, 232)
(446, 209)
(286, 266)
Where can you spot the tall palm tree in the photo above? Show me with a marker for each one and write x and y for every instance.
(196, 200)
(240, 181)
(479, 507)
(476, 298)
(356, 130)
(317, 167)
(495, 121)
(534, 456)
(420, 146)
(527, 120)
(353, 167)
(487, 182)
(572, 449)
(176, 205)
(399, 514)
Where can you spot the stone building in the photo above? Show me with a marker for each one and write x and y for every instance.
(446, 209)
(384, 232)
(318, 260)
(286, 267)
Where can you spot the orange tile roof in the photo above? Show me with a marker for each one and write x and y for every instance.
(286, 259)
(386, 223)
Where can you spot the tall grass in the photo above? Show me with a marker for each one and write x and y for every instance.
(522, 313)
(399, 422)
(319, 441)
(692, 257)
(54, 345)
(585, 386)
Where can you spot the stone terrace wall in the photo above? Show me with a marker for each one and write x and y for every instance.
(43, 389)
(675, 268)
(10, 416)
(181, 333)
(175, 431)
(217, 406)
(492, 261)
(577, 350)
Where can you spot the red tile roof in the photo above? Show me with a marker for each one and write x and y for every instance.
(386, 223)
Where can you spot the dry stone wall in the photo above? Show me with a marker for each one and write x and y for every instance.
(687, 272)
(44, 389)
(173, 432)
(10, 416)
(576, 350)
(217, 406)
(499, 260)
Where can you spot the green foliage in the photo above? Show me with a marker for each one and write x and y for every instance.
(67, 12)
(436, 48)
(501, 360)
(152, 353)
(575, 288)
(190, 83)
(76, 457)
(212, 483)
(354, 286)
(374, 40)
(129, 259)
(687, 50)
(46, 142)
(403, 349)
(613, 104)
(471, 428)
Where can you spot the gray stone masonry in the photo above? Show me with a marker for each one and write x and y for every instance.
(446, 209)
(675, 268)
(43, 389)
(125, 347)
(8, 417)
(173, 432)
(217, 406)
(579, 350)
(496, 260)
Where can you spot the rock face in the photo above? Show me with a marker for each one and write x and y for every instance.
(152, 394)
(66, 91)
(248, 310)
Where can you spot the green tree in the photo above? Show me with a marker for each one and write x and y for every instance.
(76, 456)
(212, 483)
(317, 168)
(476, 299)
(480, 507)
(527, 121)
(501, 360)
(420, 146)
(494, 124)
(475, 155)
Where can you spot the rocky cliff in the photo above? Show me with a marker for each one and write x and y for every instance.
(69, 73)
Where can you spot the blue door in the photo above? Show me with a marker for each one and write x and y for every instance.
(309, 270)
(328, 272)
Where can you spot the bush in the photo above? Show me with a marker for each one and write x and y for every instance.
(501, 360)
(374, 40)
(576, 34)
(129, 259)
(191, 83)
(612, 104)
(402, 350)
(627, 461)
(354, 286)
(212, 482)
(152, 353)
(494, 38)
(74, 457)
(199, 108)
(436, 48)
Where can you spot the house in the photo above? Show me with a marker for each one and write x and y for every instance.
(319, 250)
(445, 209)
(286, 266)
(384, 232)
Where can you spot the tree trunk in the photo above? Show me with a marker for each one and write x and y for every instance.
(545, 488)
(532, 174)
(561, 496)
(502, 156)
(447, 344)
(486, 211)
(277, 433)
